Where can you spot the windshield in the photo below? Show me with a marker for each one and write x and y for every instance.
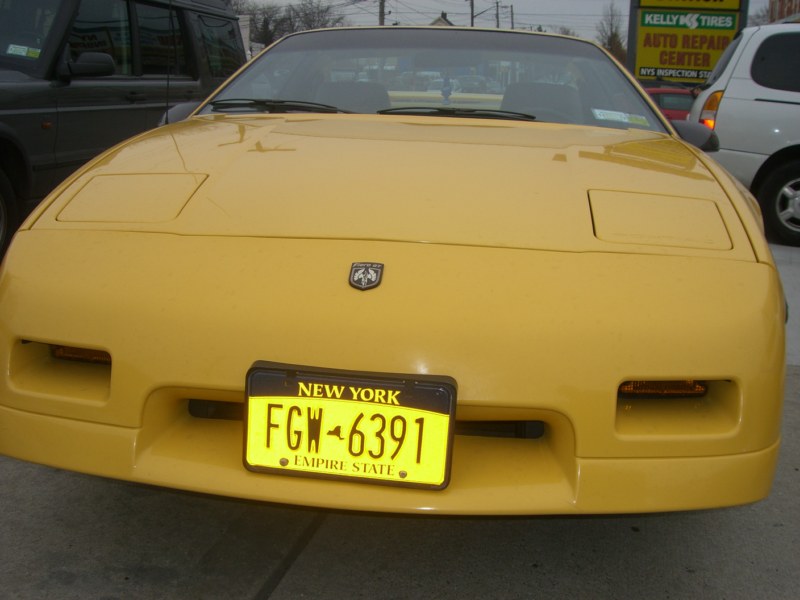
(453, 72)
(24, 28)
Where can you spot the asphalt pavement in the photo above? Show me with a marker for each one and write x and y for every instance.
(70, 536)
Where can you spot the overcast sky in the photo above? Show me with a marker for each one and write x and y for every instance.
(581, 16)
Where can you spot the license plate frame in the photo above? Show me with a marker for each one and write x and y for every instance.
(303, 421)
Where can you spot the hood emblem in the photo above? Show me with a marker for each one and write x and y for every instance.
(365, 276)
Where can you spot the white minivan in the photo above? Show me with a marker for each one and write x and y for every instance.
(752, 101)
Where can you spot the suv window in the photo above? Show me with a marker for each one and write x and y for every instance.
(158, 28)
(222, 47)
(24, 28)
(103, 26)
(776, 64)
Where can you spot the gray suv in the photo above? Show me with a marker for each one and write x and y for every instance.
(78, 76)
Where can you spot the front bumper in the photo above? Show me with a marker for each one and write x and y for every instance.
(502, 477)
(529, 336)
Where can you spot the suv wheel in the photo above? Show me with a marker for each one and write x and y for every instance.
(8, 213)
(779, 197)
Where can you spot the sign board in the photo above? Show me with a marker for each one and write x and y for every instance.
(680, 45)
(692, 4)
(681, 40)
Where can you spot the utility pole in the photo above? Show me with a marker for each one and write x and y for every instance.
(381, 12)
(497, 14)
(472, 13)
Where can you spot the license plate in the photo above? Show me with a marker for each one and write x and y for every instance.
(368, 427)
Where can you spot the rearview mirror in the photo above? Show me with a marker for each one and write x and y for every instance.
(697, 134)
(92, 64)
(178, 112)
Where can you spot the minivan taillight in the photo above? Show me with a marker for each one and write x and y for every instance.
(708, 116)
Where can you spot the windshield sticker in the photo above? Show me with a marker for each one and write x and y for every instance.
(27, 52)
(621, 117)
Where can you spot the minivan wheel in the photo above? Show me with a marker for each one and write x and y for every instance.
(779, 197)
(8, 213)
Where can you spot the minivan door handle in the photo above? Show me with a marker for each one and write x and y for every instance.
(136, 96)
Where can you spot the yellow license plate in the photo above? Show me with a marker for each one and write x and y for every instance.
(369, 427)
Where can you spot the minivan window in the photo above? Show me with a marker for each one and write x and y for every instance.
(161, 41)
(776, 64)
(723, 61)
(103, 26)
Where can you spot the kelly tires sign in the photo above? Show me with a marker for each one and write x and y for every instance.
(681, 40)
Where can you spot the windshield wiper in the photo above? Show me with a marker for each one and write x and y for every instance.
(452, 111)
(273, 106)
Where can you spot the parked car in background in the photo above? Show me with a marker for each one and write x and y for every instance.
(322, 291)
(473, 84)
(752, 101)
(447, 86)
(77, 76)
(674, 102)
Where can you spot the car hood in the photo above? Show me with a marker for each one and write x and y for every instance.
(408, 179)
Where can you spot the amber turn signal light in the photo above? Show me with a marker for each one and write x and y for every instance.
(708, 116)
(80, 354)
(663, 389)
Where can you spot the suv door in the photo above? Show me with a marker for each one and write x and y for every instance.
(166, 74)
(148, 45)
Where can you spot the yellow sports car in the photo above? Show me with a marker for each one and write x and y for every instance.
(333, 285)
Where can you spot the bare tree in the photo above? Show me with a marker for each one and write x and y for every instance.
(609, 32)
(564, 30)
(245, 7)
(270, 22)
(313, 14)
(760, 17)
